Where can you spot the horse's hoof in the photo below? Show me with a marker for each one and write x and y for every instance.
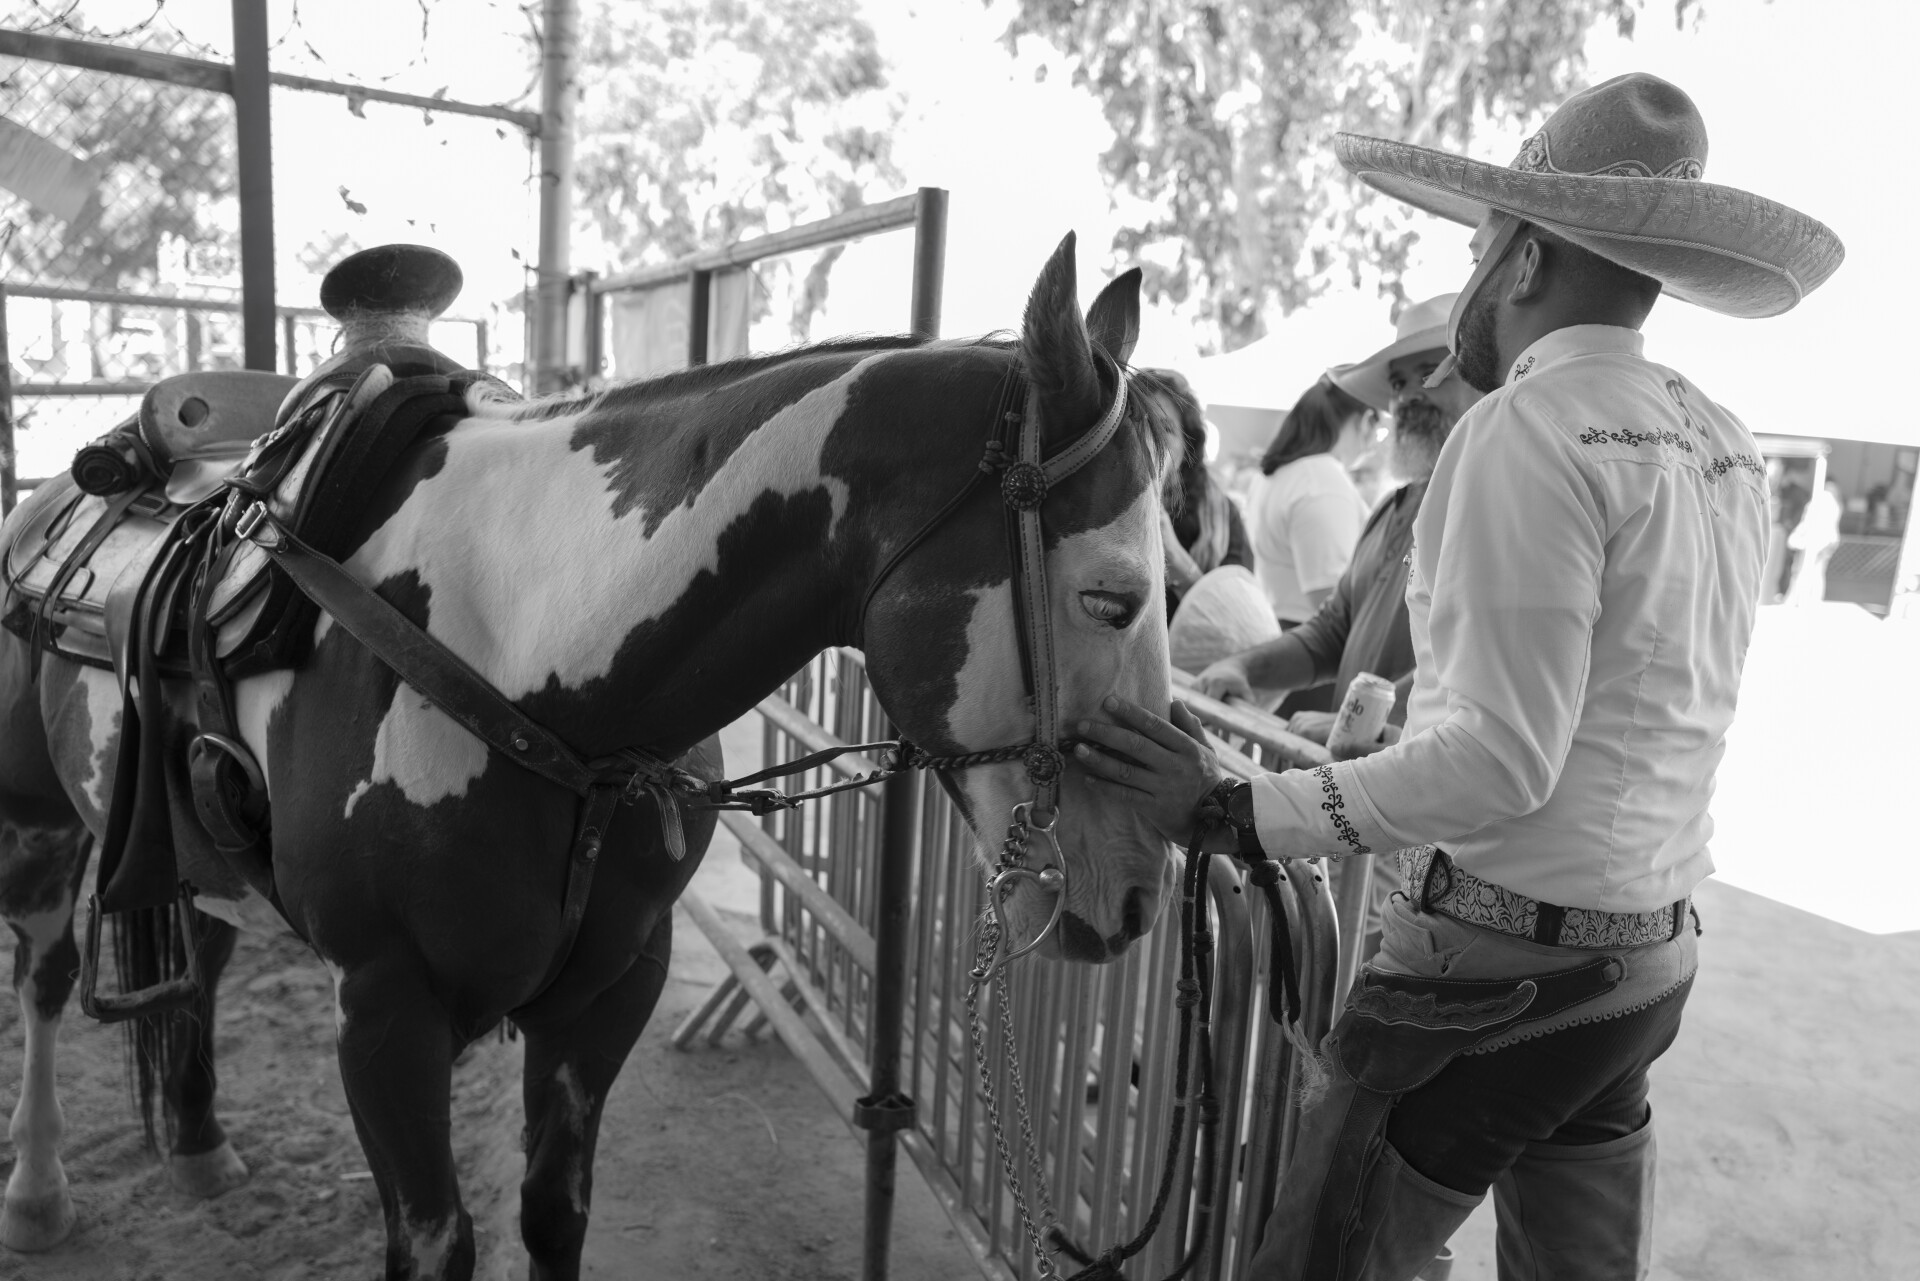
(32, 1224)
(208, 1174)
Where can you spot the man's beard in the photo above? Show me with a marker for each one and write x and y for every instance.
(1420, 428)
(1477, 351)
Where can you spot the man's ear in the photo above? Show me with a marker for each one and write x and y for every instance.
(1529, 271)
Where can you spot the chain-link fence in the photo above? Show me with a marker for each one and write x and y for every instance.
(120, 205)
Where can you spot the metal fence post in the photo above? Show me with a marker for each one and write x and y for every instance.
(595, 306)
(929, 259)
(699, 313)
(885, 1110)
(253, 131)
(9, 476)
(559, 27)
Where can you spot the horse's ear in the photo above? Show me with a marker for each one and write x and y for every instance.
(1113, 321)
(1057, 351)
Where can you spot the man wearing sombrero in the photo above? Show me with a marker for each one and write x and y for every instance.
(1585, 573)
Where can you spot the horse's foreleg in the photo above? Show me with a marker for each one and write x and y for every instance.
(38, 1211)
(569, 1070)
(396, 1061)
(202, 1162)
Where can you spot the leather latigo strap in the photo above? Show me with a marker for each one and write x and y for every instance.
(1434, 884)
(451, 685)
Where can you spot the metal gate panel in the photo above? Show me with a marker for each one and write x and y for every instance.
(1097, 1043)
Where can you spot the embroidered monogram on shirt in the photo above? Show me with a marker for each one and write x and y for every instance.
(1678, 390)
(1335, 805)
(1525, 368)
(1628, 436)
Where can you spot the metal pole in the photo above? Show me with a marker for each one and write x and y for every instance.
(595, 309)
(286, 338)
(9, 487)
(559, 30)
(929, 260)
(254, 147)
(699, 315)
(887, 1109)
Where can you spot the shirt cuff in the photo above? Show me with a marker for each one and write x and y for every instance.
(1316, 813)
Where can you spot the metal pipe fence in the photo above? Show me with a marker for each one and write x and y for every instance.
(690, 311)
(79, 360)
(137, 238)
(1097, 1043)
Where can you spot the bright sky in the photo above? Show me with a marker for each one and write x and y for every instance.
(1802, 100)
(1799, 97)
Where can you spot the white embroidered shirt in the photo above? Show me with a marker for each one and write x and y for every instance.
(1582, 587)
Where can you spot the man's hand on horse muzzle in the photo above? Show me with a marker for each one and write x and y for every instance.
(1162, 768)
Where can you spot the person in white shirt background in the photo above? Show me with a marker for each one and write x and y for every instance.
(1307, 514)
(1815, 538)
(1585, 574)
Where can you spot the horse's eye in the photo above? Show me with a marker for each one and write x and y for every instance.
(1112, 608)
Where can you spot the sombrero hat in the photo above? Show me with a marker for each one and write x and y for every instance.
(1421, 327)
(1616, 170)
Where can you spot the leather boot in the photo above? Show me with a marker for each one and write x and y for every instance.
(1405, 1223)
(1578, 1213)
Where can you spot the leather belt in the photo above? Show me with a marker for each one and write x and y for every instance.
(1434, 884)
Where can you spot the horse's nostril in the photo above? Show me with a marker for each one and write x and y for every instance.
(1133, 915)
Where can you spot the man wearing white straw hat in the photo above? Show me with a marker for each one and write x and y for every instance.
(1585, 573)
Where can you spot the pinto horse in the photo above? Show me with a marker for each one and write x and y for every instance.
(633, 567)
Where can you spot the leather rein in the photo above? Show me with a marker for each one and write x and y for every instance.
(449, 683)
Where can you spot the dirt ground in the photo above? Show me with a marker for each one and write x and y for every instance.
(716, 1162)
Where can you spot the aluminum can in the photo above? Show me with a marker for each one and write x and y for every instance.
(1362, 714)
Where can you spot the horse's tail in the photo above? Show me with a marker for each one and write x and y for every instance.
(150, 947)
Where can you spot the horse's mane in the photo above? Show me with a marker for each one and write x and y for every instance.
(695, 378)
(1157, 432)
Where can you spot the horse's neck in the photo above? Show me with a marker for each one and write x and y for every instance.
(630, 582)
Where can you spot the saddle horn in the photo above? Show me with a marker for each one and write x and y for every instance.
(386, 299)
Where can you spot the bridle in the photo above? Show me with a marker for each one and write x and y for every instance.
(1014, 454)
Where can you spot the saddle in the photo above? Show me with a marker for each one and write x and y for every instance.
(149, 580)
(80, 534)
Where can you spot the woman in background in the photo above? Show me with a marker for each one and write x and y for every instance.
(1200, 527)
(1307, 515)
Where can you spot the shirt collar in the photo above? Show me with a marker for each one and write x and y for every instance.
(1575, 340)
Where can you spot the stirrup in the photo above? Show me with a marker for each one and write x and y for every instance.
(161, 998)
